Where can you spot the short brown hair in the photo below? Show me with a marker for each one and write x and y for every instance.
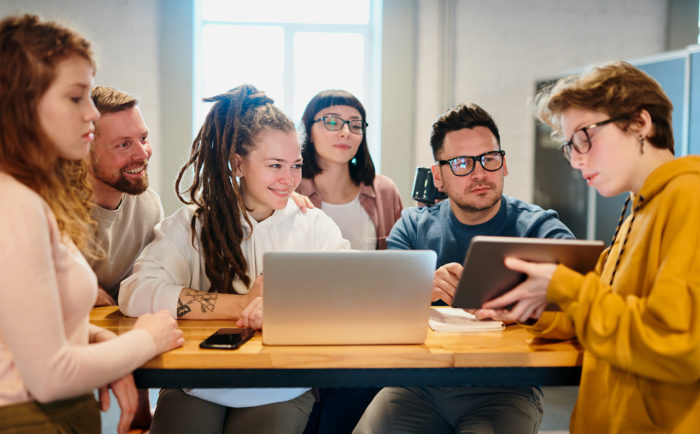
(110, 100)
(463, 116)
(618, 89)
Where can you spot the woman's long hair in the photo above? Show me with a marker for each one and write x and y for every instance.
(30, 50)
(231, 127)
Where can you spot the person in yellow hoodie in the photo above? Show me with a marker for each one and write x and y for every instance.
(637, 315)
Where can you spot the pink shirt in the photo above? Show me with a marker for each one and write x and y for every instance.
(47, 290)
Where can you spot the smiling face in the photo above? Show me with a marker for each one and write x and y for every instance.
(610, 166)
(335, 147)
(270, 172)
(119, 156)
(66, 111)
(476, 197)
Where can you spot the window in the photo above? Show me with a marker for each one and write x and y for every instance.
(291, 50)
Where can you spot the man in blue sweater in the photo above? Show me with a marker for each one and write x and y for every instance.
(470, 168)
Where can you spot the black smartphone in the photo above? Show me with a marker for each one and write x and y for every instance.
(227, 339)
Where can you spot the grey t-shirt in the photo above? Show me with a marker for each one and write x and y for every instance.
(123, 233)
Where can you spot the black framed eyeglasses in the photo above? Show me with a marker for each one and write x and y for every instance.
(581, 141)
(334, 123)
(464, 165)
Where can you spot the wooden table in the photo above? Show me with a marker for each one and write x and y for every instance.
(510, 357)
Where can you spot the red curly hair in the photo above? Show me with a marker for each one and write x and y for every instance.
(30, 50)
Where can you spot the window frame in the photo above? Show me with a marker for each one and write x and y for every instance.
(371, 76)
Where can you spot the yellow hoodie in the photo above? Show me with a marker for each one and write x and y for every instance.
(641, 366)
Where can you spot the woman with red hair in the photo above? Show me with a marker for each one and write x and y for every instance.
(51, 357)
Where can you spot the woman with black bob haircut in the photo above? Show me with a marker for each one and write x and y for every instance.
(361, 166)
(338, 172)
(338, 177)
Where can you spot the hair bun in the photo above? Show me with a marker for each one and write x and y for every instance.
(245, 96)
(252, 97)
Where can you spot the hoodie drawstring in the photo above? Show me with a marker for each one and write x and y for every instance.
(617, 230)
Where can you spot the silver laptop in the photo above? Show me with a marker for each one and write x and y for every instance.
(349, 297)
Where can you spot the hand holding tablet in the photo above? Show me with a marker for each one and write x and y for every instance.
(485, 275)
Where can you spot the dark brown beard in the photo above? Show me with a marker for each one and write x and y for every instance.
(471, 209)
(121, 183)
(130, 187)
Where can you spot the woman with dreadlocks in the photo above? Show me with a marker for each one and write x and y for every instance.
(637, 315)
(206, 259)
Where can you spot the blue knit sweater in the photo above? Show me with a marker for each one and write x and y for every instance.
(436, 228)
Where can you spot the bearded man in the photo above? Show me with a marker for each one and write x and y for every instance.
(470, 167)
(126, 210)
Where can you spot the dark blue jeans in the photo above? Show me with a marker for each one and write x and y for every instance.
(338, 409)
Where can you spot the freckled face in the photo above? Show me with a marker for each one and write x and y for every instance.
(66, 111)
(610, 166)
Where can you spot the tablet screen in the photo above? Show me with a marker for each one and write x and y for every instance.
(485, 276)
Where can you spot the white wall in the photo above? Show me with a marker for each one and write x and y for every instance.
(429, 73)
(124, 36)
(398, 97)
(503, 46)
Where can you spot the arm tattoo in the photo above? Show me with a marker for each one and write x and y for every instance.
(182, 309)
(206, 300)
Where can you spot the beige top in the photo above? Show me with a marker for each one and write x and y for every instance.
(123, 233)
(46, 295)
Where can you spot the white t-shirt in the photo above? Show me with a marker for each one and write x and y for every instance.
(354, 223)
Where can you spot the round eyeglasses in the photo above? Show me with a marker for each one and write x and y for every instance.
(464, 165)
(334, 123)
(581, 141)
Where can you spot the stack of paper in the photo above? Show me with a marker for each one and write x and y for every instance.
(449, 319)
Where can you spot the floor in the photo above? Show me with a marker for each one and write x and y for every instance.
(558, 403)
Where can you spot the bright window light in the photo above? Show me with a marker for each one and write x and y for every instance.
(228, 64)
(287, 11)
(291, 50)
(327, 61)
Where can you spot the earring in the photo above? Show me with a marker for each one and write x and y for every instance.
(641, 144)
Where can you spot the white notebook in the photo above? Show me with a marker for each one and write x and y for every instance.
(451, 319)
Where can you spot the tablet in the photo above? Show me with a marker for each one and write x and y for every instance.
(485, 276)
